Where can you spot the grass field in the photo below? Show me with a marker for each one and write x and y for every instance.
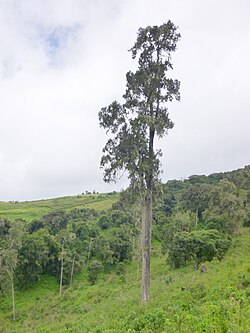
(30, 210)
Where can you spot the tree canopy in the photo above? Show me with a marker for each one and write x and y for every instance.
(144, 114)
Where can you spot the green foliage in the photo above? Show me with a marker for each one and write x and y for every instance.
(214, 298)
(195, 198)
(169, 202)
(200, 202)
(216, 222)
(5, 226)
(10, 243)
(35, 225)
(120, 268)
(247, 209)
(226, 204)
(120, 243)
(120, 218)
(84, 230)
(152, 321)
(217, 301)
(198, 246)
(104, 222)
(55, 221)
(36, 253)
(94, 269)
(178, 222)
(50, 247)
(101, 250)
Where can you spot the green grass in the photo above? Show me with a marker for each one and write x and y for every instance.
(182, 300)
(30, 210)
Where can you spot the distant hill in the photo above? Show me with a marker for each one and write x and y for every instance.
(30, 210)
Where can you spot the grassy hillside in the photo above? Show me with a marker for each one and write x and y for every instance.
(198, 219)
(30, 210)
(183, 300)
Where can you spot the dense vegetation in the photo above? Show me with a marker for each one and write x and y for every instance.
(78, 269)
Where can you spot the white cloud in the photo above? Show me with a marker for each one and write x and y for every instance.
(61, 61)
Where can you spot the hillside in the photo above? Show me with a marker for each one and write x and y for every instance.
(75, 262)
(183, 300)
(30, 210)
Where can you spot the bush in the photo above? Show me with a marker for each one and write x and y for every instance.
(150, 322)
(198, 246)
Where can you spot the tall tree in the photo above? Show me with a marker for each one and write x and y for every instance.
(135, 124)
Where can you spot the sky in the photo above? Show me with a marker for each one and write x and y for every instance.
(61, 61)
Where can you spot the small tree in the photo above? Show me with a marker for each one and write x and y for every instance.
(135, 124)
(198, 246)
(10, 243)
(33, 257)
(65, 237)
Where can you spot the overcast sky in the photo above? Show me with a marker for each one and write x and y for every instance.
(62, 60)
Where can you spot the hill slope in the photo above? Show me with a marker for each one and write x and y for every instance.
(183, 300)
(30, 210)
(195, 221)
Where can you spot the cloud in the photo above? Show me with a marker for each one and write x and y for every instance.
(61, 61)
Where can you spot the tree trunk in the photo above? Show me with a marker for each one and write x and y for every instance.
(146, 247)
(72, 272)
(61, 276)
(13, 299)
(196, 218)
(90, 243)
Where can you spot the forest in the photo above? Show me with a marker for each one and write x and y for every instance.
(195, 224)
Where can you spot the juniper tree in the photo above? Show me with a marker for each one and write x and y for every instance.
(135, 123)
